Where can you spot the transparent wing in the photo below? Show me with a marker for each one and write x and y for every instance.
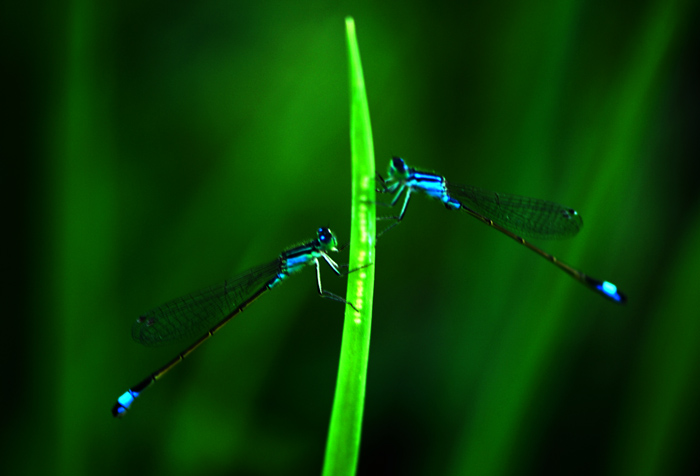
(529, 217)
(197, 312)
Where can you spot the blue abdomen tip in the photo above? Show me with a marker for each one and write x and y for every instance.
(610, 290)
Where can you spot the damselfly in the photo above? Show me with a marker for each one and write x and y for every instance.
(510, 214)
(207, 311)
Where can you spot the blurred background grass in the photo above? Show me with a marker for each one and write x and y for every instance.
(155, 148)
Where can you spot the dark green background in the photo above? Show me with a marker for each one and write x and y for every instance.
(157, 147)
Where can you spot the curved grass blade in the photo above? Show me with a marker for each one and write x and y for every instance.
(343, 445)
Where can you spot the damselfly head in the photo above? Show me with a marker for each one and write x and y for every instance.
(398, 169)
(327, 239)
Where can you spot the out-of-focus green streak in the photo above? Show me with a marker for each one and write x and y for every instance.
(83, 205)
(501, 406)
(492, 441)
(661, 405)
(629, 104)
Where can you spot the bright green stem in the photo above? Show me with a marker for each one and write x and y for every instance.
(343, 447)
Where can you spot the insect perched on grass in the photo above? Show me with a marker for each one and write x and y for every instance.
(512, 215)
(208, 310)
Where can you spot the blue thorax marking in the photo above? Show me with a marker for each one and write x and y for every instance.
(424, 177)
(294, 260)
(297, 258)
(434, 186)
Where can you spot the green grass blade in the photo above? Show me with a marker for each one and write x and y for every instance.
(343, 446)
